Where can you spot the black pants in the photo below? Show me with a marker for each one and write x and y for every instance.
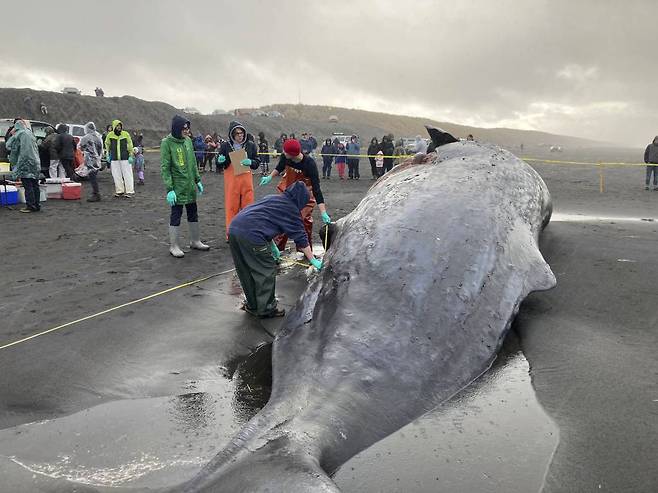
(93, 181)
(388, 164)
(326, 166)
(177, 213)
(31, 186)
(373, 167)
(353, 168)
(67, 164)
(208, 160)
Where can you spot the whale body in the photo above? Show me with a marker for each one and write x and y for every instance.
(418, 290)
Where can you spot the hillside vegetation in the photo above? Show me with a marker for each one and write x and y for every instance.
(153, 119)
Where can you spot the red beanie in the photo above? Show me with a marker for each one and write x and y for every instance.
(292, 147)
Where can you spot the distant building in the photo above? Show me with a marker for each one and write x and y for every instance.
(333, 119)
(190, 110)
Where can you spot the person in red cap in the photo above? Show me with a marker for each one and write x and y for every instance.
(299, 167)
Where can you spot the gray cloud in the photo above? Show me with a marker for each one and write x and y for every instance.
(581, 68)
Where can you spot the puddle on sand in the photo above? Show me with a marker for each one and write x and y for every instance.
(585, 218)
(143, 442)
(493, 437)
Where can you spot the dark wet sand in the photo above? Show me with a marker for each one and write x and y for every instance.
(590, 345)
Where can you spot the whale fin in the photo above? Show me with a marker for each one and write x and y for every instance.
(539, 277)
(439, 137)
(272, 467)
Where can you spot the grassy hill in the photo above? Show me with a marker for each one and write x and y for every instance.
(153, 119)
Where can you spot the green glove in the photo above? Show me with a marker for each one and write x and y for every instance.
(316, 263)
(171, 198)
(325, 218)
(276, 254)
(199, 187)
(131, 160)
(221, 159)
(265, 180)
(246, 162)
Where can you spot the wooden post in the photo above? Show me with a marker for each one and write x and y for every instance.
(601, 178)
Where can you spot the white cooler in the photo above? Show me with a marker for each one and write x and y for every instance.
(54, 187)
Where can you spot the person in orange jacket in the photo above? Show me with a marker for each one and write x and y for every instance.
(238, 189)
(296, 166)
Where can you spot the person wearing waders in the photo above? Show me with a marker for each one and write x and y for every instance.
(182, 181)
(238, 188)
(91, 146)
(299, 167)
(651, 157)
(255, 254)
(119, 146)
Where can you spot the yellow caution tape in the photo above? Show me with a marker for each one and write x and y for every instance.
(88, 317)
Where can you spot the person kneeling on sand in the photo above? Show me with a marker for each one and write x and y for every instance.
(182, 180)
(255, 254)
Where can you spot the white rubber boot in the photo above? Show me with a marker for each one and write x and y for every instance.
(174, 249)
(195, 241)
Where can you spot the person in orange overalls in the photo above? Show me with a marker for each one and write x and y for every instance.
(238, 189)
(299, 167)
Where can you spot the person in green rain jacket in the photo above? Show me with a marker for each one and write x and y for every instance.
(182, 180)
(25, 163)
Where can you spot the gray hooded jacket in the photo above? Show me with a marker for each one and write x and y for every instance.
(92, 147)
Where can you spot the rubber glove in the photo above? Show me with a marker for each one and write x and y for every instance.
(275, 251)
(199, 187)
(325, 218)
(316, 263)
(108, 158)
(265, 180)
(246, 162)
(171, 198)
(221, 159)
(131, 160)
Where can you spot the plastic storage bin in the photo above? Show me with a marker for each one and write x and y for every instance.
(8, 196)
(71, 191)
(43, 195)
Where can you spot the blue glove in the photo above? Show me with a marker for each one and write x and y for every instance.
(199, 187)
(276, 254)
(171, 198)
(108, 158)
(221, 159)
(265, 180)
(325, 218)
(316, 263)
(246, 162)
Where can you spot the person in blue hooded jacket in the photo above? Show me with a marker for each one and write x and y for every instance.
(255, 254)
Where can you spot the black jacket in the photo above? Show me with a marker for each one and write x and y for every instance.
(64, 143)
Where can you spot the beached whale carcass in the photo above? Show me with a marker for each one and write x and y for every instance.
(419, 288)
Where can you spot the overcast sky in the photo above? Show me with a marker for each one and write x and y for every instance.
(582, 68)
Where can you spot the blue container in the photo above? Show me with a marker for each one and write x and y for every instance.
(10, 196)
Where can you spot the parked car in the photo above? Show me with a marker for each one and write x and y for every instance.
(38, 129)
(75, 129)
(71, 90)
(275, 114)
(259, 113)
